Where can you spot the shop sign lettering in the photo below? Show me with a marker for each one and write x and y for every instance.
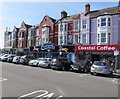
(47, 47)
(96, 47)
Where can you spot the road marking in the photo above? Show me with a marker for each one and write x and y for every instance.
(115, 81)
(43, 94)
(3, 79)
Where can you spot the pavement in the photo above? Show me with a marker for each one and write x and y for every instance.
(26, 81)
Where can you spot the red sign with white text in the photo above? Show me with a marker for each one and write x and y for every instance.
(96, 48)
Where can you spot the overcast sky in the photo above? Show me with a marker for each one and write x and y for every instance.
(13, 13)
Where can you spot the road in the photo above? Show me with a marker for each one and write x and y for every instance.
(26, 81)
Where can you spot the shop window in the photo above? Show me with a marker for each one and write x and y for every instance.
(103, 21)
(103, 37)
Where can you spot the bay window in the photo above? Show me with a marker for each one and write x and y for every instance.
(76, 25)
(103, 21)
(84, 24)
(84, 40)
(103, 37)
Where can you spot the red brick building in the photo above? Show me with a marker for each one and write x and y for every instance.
(68, 29)
(47, 30)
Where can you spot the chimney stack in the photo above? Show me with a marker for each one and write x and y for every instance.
(87, 7)
(63, 14)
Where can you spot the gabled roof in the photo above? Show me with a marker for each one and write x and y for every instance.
(53, 20)
(107, 11)
(16, 28)
(28, 26)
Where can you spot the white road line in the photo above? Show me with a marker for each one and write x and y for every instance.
(45, 92)
(42, 94)
(3, 79)
(115, 81)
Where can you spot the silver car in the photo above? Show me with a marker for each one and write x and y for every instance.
(16, 59)
(5, 57)
(45, 62)
(34, 62)
(100, 67)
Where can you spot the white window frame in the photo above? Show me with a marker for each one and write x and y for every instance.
(75, 25)
(85, 38)
(103, 23)
(75, 39)
(104, 37)
(84, 24)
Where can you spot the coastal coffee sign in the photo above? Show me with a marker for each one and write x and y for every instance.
(96, 47)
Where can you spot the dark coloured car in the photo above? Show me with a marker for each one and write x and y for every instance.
(81, 66)
(25, 59)
(10, 58)
(61, 64)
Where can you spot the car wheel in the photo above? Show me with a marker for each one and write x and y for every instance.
(63, 68)
(94, 74)
(37, 65)
(91, 73)
(85, 70)
(71, 69)
(111, 73)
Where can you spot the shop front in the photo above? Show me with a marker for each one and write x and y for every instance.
(97, 53)
(53, 51)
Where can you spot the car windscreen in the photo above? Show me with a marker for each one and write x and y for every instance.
(100, 63)
(43, 59)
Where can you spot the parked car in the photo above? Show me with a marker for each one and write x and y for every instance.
(45, 62)
(34, 62)
(25, 59)
(10, 58)
(61, 64)
(5, 57)
(2, 55)
(100, 67)
(16, 59)
(81, 66)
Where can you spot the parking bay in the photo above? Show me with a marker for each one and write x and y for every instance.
(23, 79)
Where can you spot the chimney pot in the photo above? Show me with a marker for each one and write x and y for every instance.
(63, 14)
(87, 7)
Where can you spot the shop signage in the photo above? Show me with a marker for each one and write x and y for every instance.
(96, 47)
(47, 47)
(116, 53)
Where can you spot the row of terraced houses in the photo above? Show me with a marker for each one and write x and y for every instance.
(81, 32)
